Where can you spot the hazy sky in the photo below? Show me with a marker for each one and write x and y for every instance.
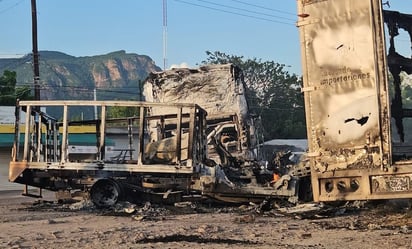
(263, 29)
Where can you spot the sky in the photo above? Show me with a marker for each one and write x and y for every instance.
(261, 29)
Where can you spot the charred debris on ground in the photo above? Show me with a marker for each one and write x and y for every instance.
(352, 215)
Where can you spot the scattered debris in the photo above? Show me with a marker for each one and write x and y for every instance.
(82, 205)
(249, 218)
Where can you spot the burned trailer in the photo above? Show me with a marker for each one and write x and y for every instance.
(138, 166)
(355, 152)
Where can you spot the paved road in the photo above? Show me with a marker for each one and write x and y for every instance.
(4, 174)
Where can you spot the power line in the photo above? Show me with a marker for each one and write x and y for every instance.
(17, 56)
(85, 89)
(11, 7)
(265, 8)
(246, 10)
(234, 13)
(30, 84)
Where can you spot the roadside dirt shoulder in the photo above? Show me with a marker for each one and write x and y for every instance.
(28, 223)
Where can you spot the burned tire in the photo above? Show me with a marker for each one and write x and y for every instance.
(105, 193)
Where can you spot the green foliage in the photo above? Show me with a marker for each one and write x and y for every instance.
(272, 93)
(7, 88)
(9, 93)
(24, 93)
(122, 111)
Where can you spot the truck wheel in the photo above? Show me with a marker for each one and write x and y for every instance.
(105, 193)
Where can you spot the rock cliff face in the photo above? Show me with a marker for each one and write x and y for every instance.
(115, 75)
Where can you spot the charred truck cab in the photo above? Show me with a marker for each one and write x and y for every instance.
(352, 114)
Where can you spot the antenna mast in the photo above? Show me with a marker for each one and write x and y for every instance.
(164, 34)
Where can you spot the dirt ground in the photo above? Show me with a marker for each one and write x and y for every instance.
(30, 223)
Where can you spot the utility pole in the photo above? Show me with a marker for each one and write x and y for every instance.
(36, 69)
(36, 77)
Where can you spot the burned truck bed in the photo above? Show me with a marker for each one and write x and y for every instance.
(41, 154)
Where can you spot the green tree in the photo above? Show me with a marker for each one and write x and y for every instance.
(8, 88)
(272, 93)
(122, 111)
(9, 93)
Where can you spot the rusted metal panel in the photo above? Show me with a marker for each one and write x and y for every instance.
(15, 170)
(365, 184)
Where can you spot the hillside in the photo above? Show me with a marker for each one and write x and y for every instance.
(115, 75)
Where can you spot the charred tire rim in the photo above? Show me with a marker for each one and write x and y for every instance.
(105, 193)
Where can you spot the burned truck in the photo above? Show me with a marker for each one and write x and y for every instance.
(166, 160)
(358, 147)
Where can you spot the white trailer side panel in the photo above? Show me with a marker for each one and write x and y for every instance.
(346, 99)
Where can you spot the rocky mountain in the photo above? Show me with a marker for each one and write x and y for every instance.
(117, 75)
